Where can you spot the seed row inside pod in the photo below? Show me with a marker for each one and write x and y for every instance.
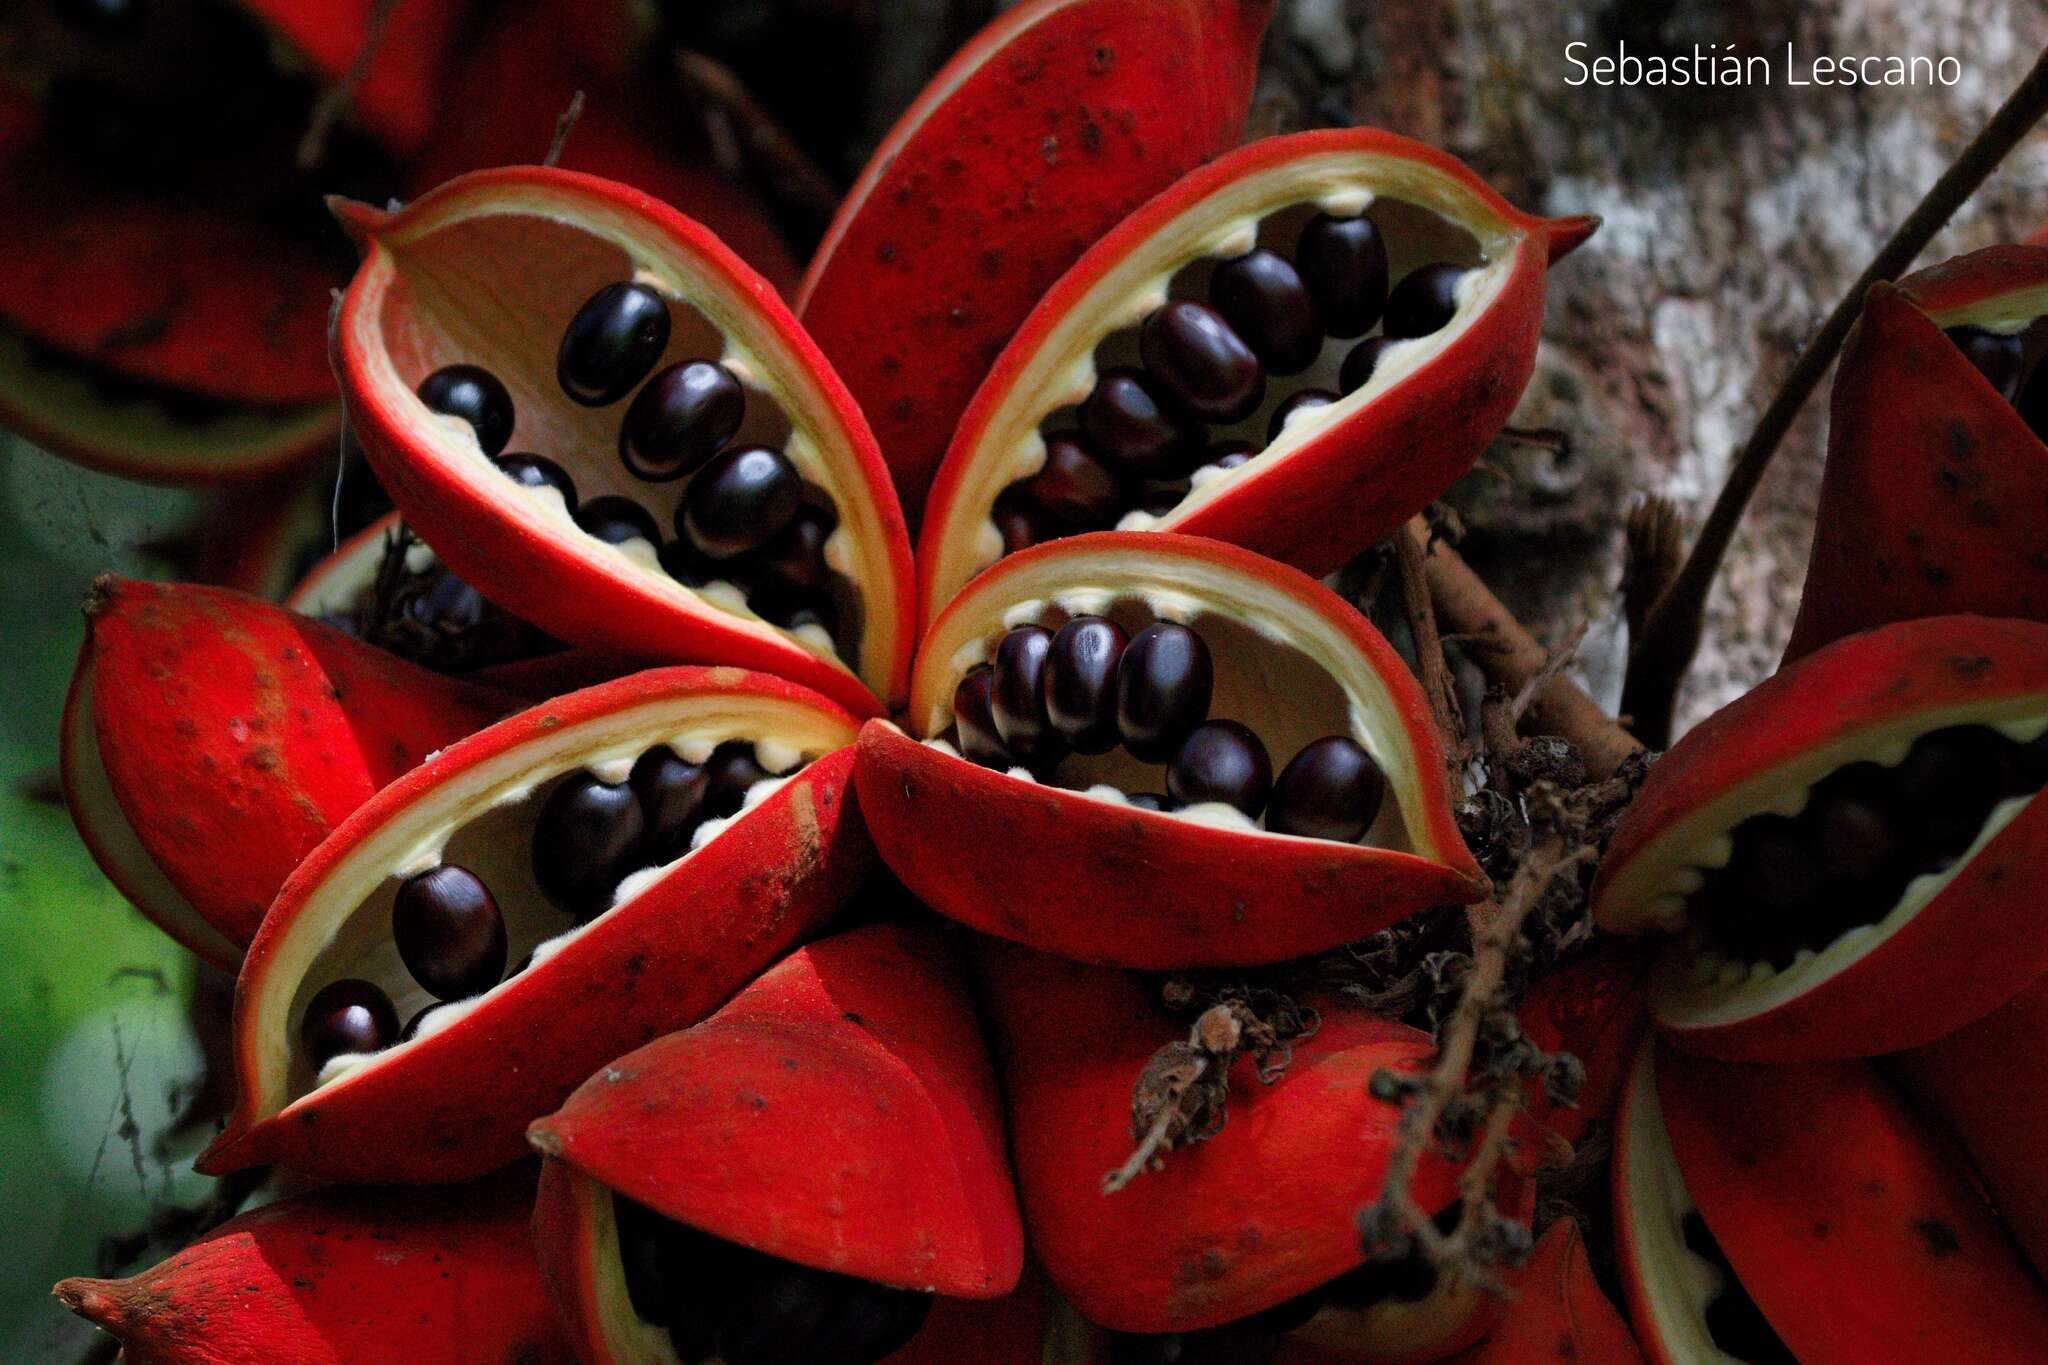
(592, 838)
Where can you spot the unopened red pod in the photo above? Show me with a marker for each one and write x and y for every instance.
(340, 1277)
(840, 1115)
(1847, 853)
(709, 491)
(1053, 123)
(1201, 369)
(1169, 832)
(649, 844)
(210, 741)
(1806, 1213)
(1986, 1083)
(1935, 462)
(1259, 1215)
(1596, 1009)
(1560, 1313)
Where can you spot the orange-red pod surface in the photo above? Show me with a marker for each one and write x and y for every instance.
(210, 741)
(1044, 130)
(662, 950)
(1951, 944)
(1928, 506)
(1559, 1314)
(1596, 1009)
(839, 1113)
(341, 1277)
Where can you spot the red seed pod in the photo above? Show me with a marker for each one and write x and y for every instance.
(1597, 1010)
(1839, 848)
(1255, 1215)
(404, 316)
(643, 950)
(1931, 471)
(210, 741)
(343, 1276)
(1844, 1230)
(876, 1022)
(1085, 873)
(1044, 130)
(1338, 477)
(1560, 1312)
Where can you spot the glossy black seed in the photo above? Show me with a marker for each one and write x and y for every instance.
(1020, 525)
(1332, 789)
(1201, 363)
(1080, 683)
(449, 931)
(787, 1314)
(1999, 357)
(615, 520)
(1263, 297)
(671, 791)
(1017, 698)
(611, 343)
(348, 1015)
(729, 772)
(1344, 263)
(1773, 868)
(1148, 800)
(974, 721)
(680, 559)
(1073, 487)
(1221, 760)
(538, 471)
(1424, 300)
(1163, 686)
(1854, 833)
(1358, 367)
(448, 602)
(745, 498)
(1128, 424)
(1305, 401)
(586, 838)
(475, 395)
(794, 562)
(682, 418)
(1229, 454)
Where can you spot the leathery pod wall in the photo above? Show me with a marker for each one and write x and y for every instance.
(1148, 701)
(1137, 393)
(735, 510)
(638, 851)
(1835, 849)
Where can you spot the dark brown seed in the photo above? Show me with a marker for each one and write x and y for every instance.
(1998, 356)
(671, 793)
(349, 1015)
(1853, 831)
(1074, 487)
(1080, 683)
(1127, 424)
(686, 566)
(611, 343)
(1332, 789)
(682, 418)
(1773, 866)
(1359, 365)
(586, 838)
(615, 520)
(1198, 360)
(476, 396)
(729, 772)
(1221, 760)
(745, 498)
(1344, 263)
(1017, 697)
(1018, 524)
(1263, 297)
(449, 931)
(1423, 301)
(794, 562)
(974, 721)
(1304, 401)
(1163, 684)
(537, 471)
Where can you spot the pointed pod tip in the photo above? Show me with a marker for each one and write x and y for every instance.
(91, 1299)
(100, 597)
(544, 1139)
(359, 220)
(1567, 234)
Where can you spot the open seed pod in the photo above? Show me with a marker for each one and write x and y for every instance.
(1984, 1082)
(1935, 457)
(1050, 125)
(1172, 632)
(343, 1276)
(1251, 1231)
(1560, 1312)
(1136, 394)
(828, 1145)
(1846, 850)
(210, 741)
(742, 437)
(1804, 1213)
(650, 844)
